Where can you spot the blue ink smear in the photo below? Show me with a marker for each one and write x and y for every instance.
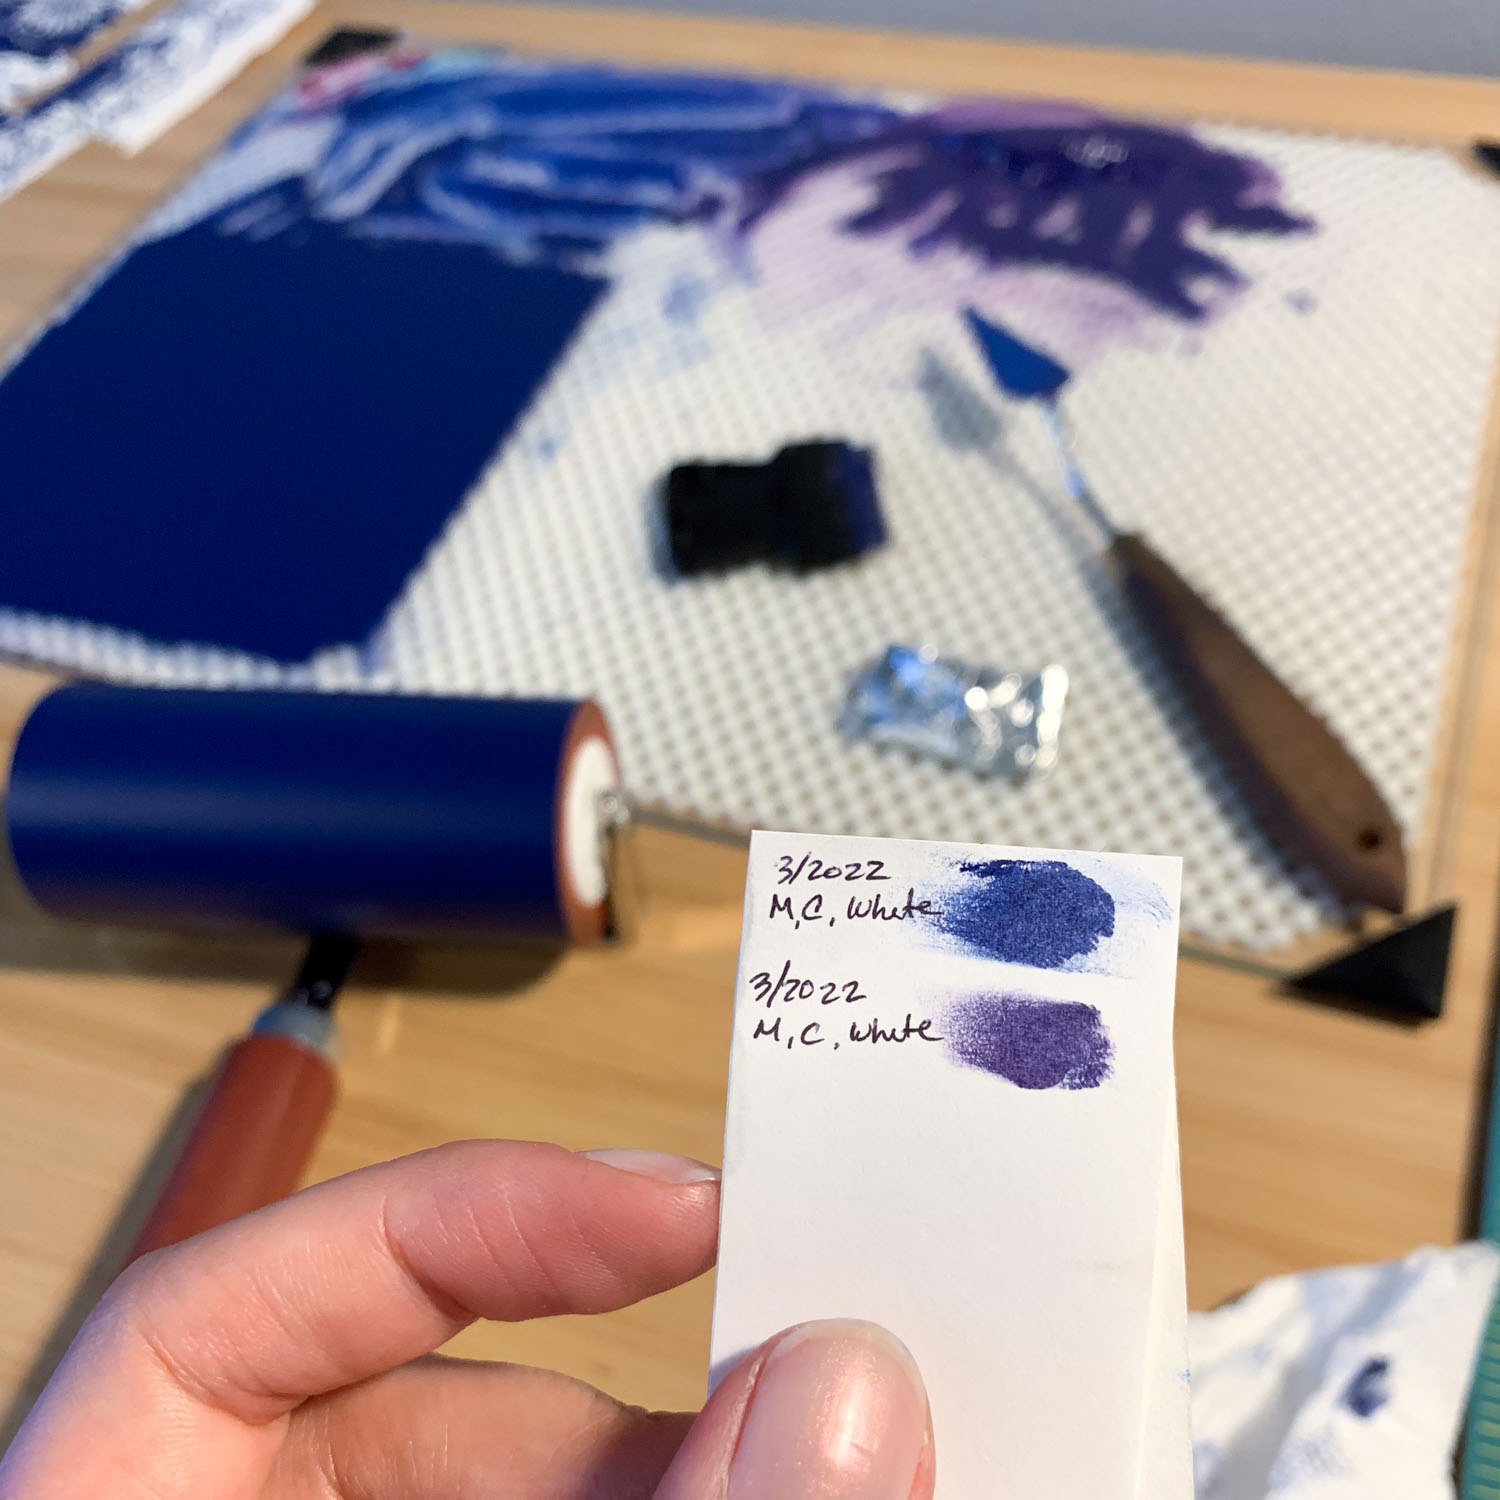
(1040, 912)
(1301, 301)
(540, 162)
(554, 163)
(1115, 199)
(1032, 1043)
(1370, 1388)
(1020, 369)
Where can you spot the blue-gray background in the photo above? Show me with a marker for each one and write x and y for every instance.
(1458, 36)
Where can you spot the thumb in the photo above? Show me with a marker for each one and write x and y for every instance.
(825, 1411)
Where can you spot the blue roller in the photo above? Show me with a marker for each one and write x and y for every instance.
(311, 812)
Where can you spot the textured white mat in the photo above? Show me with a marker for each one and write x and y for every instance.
(1309, 459)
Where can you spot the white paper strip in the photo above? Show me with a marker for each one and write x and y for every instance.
(951, 1112)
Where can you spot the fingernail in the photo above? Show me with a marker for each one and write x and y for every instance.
(839, 1413)
(662, 1166)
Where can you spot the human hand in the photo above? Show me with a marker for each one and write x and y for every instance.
(287, 1355)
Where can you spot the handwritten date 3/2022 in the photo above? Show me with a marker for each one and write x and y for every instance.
(790, 871)
(787, 987)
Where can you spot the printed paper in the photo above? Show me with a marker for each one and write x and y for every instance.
(951, 1111)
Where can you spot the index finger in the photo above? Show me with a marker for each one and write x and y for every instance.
(362, 1273)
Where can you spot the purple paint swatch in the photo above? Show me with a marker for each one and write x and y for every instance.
(1030, 1042)
(1061, 188)
(1039, 912)
(1370, 1388)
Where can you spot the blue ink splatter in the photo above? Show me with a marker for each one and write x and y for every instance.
(685, 298)
(1040, 912)
(1370, 1388)
(1030, 1042)
(1019, 368)
(1307, 1459)
(1302, 302)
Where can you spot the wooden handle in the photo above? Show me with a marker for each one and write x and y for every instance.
(250, 1144)
(1306, 787)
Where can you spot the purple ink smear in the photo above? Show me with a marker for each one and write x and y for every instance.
(1030, 1042)
(1060, 188)
(1040, 912)
(1370, 1389)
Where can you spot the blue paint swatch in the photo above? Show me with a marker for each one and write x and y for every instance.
(1039, 912)
(252, 443)
(1030, 1042)
(1018, 368)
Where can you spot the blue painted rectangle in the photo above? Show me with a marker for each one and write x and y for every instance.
(251, 442)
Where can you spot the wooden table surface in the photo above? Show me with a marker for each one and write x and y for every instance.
(1309, 1135)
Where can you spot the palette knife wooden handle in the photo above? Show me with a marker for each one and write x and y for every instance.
(1305, 785)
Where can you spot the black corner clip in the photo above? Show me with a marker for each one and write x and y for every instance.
(344, 42)
(1401, 973)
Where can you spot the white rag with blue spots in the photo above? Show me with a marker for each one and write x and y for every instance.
(1342, 1384)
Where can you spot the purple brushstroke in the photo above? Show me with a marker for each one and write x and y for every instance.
(1054, 187)
(1030, 1042)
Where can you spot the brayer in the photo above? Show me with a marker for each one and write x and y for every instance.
(339, 816)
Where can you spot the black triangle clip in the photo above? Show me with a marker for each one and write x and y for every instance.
(1402, 972)
(344, 42)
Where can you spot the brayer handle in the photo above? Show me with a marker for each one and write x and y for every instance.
(251, 1143)
(1308, 789)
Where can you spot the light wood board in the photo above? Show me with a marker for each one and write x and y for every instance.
(1309, 1136)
